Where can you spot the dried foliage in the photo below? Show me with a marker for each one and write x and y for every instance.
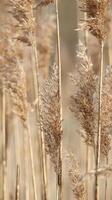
(77, 186)
(106, 112)
(12, 76)
(50, 116)
(97, 17)
(21, 10)
(82, 102)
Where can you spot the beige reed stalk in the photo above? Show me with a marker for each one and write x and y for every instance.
(17, 192)
(98, 149)
(87, 147)
(41, 135)
(27, 134)
(4, 140)
(38, 112)
(32, 162)
(59, 176)
(26, 166)
(107, 158)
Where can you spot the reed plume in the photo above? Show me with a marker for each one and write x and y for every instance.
(12, 77)
(23, 26)
(50, 116)
(77, 184)
(27, 28)
(106, 113)
(97, 24)
(82, 102)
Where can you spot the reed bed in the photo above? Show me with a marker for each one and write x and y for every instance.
(41, 104)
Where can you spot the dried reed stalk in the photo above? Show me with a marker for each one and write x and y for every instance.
(41, 52)
(32, 161)
(26, 165)
(97, 24)
(38, 110)
(98, 144)
(17, 192)
(20, 11)
(23, 12)
(87, 147)
(59, 176)
(4, 140)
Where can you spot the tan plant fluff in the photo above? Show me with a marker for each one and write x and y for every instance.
(106, 112)
(50, 116)
(82, 102)
(97, 17)
(77, 184)
(12, 76)
(21, 11)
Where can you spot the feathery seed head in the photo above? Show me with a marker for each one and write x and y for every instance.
(97, 21)
(50, 115)
(78, 187)
(82, 101)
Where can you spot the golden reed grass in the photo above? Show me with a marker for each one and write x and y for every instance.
(90, 102)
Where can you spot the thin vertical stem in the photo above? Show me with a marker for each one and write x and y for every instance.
(59, 176)
(26, 166)
(87, 147)
(107, 158)
(38, 113)
(32, 162)
(4, 141)
(17, 193)
(106, 182)
(41, 134)
(99, 124)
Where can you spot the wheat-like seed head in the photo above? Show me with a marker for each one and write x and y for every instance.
(82, 102)
(21, 11)
(12, 77)
(106, 112)
(50, 116)
(97, 17)
(77, 186)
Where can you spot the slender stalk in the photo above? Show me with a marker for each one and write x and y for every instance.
(41, 134)
(32, 162)
(26, 166)
(99, 124)
(4, 141)
(87, 147)
(59, 176)
(38, 112)
(106, 182)
(17, 193)
(107, 158)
